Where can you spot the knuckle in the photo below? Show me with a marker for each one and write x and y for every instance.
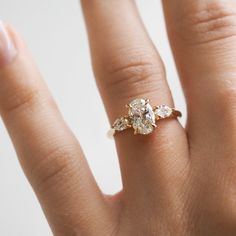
(56, 167)
(21, 98)
(206, 23)
(137, 76)
(223, 96)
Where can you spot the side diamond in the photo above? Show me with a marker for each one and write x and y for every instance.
(121, 124)
(163, 111)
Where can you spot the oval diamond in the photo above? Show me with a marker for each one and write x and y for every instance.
(137, 107)
(143, 117)
(141, 126)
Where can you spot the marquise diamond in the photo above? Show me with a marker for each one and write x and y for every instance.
(163, 111)
(121, 124)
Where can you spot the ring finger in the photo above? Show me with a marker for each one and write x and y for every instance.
(127, 66)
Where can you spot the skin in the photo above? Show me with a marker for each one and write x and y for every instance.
(177, 181)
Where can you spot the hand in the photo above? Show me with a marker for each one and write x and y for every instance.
(176, 181)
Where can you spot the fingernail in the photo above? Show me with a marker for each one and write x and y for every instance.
(7, 47)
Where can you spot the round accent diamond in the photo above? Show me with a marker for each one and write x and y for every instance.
(163, 111)
(143, 117)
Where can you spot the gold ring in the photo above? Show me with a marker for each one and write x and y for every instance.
(142, 117)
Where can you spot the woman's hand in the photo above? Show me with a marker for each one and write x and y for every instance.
(176, 181)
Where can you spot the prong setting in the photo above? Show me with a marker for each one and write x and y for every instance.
(142, 117)
(147, 101)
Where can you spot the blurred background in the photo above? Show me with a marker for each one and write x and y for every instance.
(55, 32)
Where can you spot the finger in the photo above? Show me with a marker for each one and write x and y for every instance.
(49, 153)
(126, 67)
(202, 35)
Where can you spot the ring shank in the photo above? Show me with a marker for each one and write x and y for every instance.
(176, 113)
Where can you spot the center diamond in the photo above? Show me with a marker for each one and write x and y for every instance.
(143, 117)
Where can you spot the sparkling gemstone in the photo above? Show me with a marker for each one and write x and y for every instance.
(163, 111)
(143, 117)
(121, 124)
(142, 127)
(137, 107)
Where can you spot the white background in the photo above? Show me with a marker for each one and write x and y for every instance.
(55, 33)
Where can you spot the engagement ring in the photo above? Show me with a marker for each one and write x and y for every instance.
(142, 117)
